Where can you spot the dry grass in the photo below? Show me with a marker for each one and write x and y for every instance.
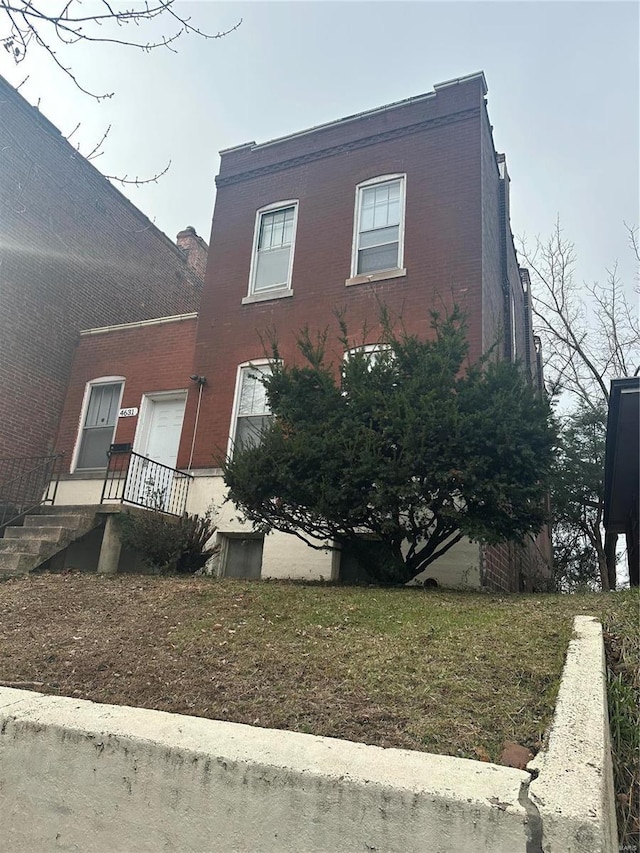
(455, 673)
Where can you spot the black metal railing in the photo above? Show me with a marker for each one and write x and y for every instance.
(135, 479)
(27, 482)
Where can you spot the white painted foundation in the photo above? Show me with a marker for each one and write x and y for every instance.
(79, 492)
(288, 557)
(284, 557)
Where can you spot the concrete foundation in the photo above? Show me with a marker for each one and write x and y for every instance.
(284, 557)
(110, 548)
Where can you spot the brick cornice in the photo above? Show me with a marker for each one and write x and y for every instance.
(354, 145)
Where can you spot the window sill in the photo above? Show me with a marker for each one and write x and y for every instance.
(268, 295)
(382, 275)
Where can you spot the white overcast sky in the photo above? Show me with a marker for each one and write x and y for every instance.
(563, 98)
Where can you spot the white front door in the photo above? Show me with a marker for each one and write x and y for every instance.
(151, 485)
(165, 427)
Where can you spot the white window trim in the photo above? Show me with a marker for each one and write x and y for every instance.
(143, 426)
(254, 362)
(101, 380)
(275, 292)
(367, 349)
(393, 272)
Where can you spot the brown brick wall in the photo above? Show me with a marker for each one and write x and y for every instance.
(151, 358)
(195, 251)
(443, 240)
(513, 275)
(493, 320)
(74, 254)
(512, 567)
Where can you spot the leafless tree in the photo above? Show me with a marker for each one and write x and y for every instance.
(50, 24)
(590, 333)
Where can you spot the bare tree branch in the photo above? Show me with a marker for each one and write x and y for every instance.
(590, 335)
(95, 151)
(138, 182)
(582, 356)
(45, 23)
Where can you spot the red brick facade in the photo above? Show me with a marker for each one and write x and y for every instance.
(457, 246)
(74, 254)
(150, 358)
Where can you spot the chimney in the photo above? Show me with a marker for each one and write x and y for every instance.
(194, 249)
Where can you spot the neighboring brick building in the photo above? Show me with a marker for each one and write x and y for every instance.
(407, 205)
(74, 254)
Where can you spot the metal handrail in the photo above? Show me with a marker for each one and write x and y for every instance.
(134, 479)
(27, 482)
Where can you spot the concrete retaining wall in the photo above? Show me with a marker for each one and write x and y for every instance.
(573, 791)
(75, 775)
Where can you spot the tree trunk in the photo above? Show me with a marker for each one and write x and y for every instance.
(602, 565)
(610, 542)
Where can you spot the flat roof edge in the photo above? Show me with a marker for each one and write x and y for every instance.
(253, 146)
(477, 75)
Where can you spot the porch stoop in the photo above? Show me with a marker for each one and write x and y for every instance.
(45, 532)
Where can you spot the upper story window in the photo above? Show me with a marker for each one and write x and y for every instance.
(273, 245)
(252, 414)
(379, 226)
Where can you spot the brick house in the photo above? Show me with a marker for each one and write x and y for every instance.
(74, 254)
(407, 205)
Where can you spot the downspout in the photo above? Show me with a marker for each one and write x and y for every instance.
(201, 380)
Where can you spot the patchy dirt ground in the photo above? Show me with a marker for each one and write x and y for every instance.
(444, 672)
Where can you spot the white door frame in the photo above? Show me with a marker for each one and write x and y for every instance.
(137, 487)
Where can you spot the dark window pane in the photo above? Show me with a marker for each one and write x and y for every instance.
(102, 410)
(95, 444)
(250, 429)
(378, 258)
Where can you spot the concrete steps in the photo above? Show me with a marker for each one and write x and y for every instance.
(45, 533)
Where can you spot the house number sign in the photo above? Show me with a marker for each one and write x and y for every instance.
(127, 413)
